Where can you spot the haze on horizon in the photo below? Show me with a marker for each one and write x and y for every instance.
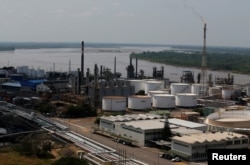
(126, 21)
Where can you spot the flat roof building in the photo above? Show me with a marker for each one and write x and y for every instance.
(144, 128)
(194, 147)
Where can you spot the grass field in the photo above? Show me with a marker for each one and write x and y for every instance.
(13, 158)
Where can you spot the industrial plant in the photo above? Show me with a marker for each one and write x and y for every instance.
(137, 109)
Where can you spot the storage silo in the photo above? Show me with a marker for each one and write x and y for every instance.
(227, 93)
(187, 100)
(114, 103)
(139, 102)
(138, 84)
(176, 88)
(163, 101)
(152, 93)
(153, 85)
(248, 90)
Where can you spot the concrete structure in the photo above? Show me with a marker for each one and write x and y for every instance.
(194, 147)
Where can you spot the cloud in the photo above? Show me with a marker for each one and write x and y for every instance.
(89, 13)
(116, 4)
(124, 14)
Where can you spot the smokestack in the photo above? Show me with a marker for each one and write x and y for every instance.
(78, 82)
(115, 67)
(204, 62)
(69, 66)
(82, 60)
(136, 60)
(204, 48)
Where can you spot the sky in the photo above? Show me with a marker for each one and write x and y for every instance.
(167, 22)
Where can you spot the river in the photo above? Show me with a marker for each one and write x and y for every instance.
(65, 59)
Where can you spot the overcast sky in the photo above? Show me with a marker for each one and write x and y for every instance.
(127, 21)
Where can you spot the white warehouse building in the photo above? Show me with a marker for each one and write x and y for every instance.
(194, 147)
(141, 129)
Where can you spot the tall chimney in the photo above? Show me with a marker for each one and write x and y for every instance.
(69, 66)
(115, 67)
(136, 63)
(82, 60)
(204, 60)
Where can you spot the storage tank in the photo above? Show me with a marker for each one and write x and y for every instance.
(162, 101)
(139, 102)
(152, 93)
(180, 88)
(153, 85)
(199, 89)
(227, 93)
(186, 100)
(138, 84)
(114, 103)
(248, 91)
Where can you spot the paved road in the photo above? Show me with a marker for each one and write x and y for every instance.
(144, 154)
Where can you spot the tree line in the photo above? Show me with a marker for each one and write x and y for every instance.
(234, 61)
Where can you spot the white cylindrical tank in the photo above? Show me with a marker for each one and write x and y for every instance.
(248, 91)
(114, 103)
(139, 84)
(179, 88)
(139, 102)
(163, 101)
(227, 93)
(152, 93)
(186, 100)
(153, 85)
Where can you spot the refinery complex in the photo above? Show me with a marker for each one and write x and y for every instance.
(202, 115)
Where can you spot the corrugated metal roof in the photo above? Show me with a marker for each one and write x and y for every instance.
(185, 123)
(12, 84)
(125, 118)
(208, 137)
(146, 125)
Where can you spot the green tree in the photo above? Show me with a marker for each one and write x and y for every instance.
(70, 161)
(166, 133)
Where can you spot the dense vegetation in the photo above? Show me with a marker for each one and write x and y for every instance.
(235, 60)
